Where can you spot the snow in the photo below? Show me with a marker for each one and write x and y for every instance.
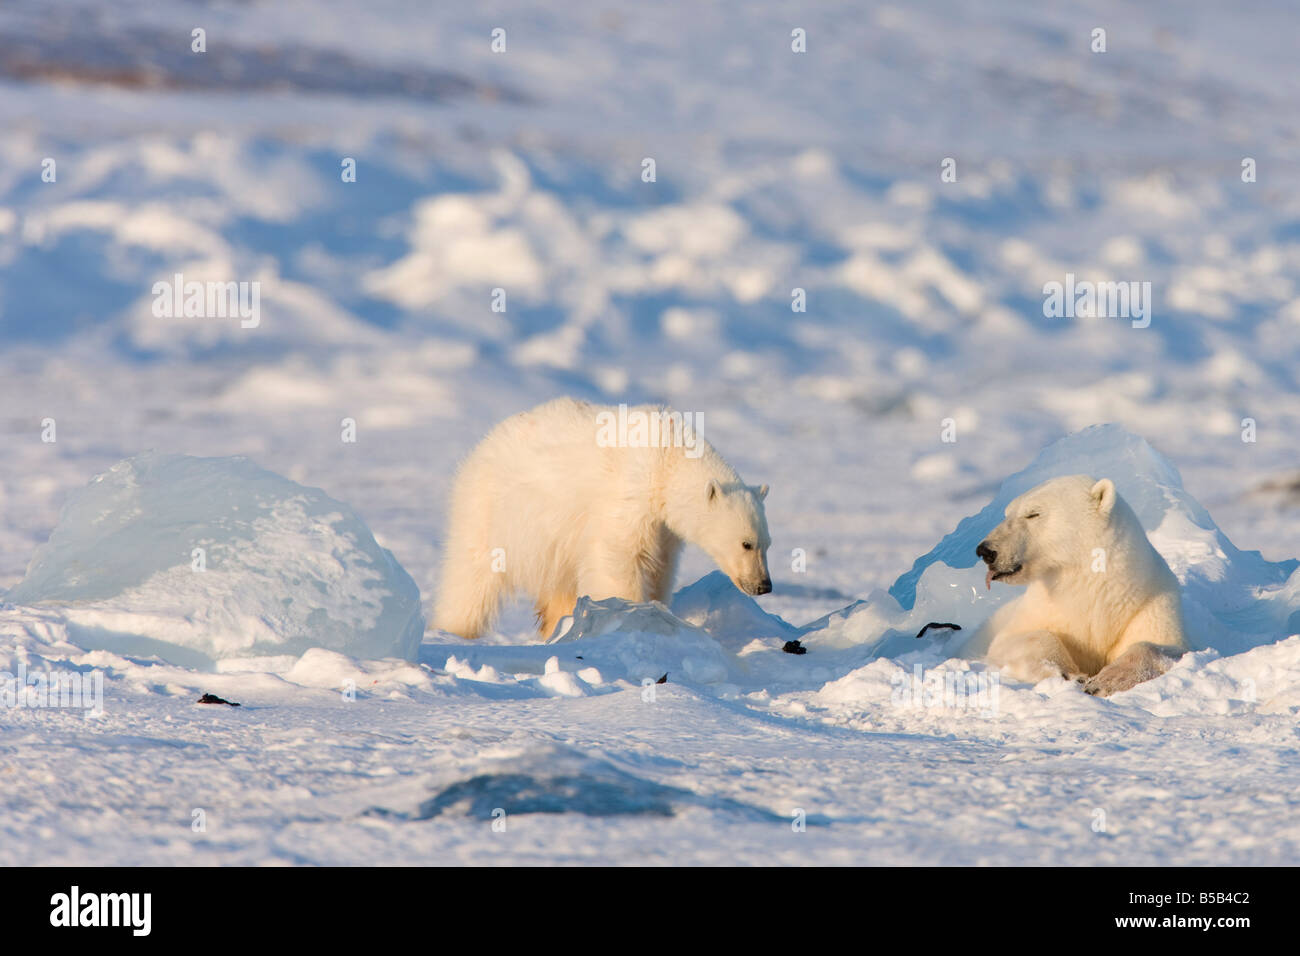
(775, 172)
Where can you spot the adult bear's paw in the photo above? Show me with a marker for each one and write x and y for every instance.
(1139, 663)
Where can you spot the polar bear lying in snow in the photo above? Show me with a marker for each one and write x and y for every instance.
(1101, 604)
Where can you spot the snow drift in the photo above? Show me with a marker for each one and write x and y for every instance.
(195, 560)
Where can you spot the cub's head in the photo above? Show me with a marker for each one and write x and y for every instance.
(1049, 528)
(735, 536)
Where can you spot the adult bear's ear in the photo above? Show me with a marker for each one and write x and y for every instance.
(1103, 492)
(762, 492)
(715, 489)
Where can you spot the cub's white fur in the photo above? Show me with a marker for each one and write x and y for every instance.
(1101, 605)
(543, 509)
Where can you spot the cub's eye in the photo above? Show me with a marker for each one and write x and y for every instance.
(1032, 514)
(747, 545)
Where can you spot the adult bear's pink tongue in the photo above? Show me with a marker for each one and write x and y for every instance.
(988, 579)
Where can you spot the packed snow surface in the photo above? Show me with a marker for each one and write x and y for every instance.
(523, 172)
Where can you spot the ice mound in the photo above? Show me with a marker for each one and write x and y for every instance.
(551, 778)
(196, 560)
(1234, 600)
(730, 616)
(524, 774)
(639, 641)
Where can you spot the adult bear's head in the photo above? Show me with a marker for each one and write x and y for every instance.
(1050, 528)
(734, 533)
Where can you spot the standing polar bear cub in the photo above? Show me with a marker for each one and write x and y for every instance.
(1101, 605)
(573, 499)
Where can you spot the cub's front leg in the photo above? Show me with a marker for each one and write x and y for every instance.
(609, 570)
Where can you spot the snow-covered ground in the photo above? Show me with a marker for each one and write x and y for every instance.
(522, 171)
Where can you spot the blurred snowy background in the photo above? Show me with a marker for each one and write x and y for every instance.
(775, 171)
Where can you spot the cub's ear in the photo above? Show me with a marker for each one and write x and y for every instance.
(762, 492)
(715, 489)
(1103, 493)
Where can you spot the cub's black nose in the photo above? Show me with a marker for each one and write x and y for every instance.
(987, 553)
(765, 587)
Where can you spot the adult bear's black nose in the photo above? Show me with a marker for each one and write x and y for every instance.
(764, 586)
(988, 554)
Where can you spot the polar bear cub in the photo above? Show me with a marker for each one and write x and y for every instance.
(573, 499)
(1100, 605)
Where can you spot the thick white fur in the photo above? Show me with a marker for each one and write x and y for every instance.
(1101, 604)
(573, 518)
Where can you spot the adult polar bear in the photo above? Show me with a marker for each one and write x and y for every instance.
(565, 500)
(1102, 606)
